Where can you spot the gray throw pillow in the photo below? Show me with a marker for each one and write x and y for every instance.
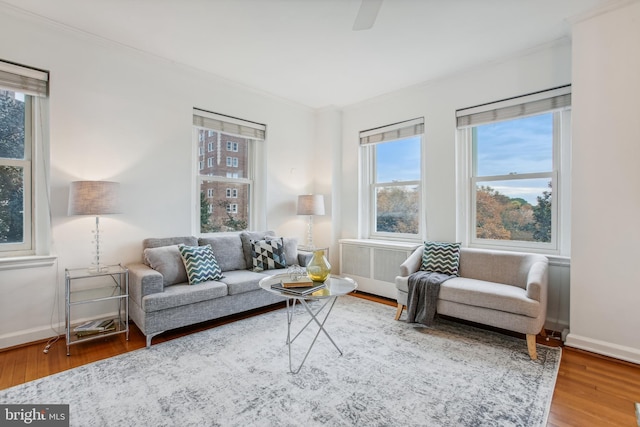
(167, 261)
(291, 250)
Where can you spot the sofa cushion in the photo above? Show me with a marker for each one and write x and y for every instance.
(496, 296)
(246, 237)
(169, 241)
(183, 294)
(497, 266)
(441, 257)
(167, 261)
(227, 248)
(268, 254)
(241, 281)
(200, 263)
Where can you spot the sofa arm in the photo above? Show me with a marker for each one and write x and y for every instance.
(537, 281)
(413, 263)
(143, 281)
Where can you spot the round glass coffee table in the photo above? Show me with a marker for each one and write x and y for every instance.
(334, 287)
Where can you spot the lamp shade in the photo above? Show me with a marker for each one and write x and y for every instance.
(94, 198)
(309, 204)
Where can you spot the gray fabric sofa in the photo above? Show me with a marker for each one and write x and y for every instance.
(161, 298)
(507, 290)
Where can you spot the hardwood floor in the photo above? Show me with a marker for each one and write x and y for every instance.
(591, 390)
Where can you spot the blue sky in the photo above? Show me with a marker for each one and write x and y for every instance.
(522, 146)
(399, 160)
(515, 146)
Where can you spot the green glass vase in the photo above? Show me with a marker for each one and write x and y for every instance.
(318, 268)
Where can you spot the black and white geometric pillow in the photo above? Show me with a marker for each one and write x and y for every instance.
(441, 257)
(268, 254)
(200, 263)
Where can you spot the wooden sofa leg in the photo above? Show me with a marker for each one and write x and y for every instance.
(399, 311)
(531, 346)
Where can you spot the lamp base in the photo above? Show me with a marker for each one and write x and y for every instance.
(310, 233)
(98, 269)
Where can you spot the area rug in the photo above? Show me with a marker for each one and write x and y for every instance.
(390, 374)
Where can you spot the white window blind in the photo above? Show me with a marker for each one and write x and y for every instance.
(23, 79)
(229, 125)
(540, 102)
(392, 132)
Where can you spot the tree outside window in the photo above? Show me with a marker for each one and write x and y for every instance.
(12, 157)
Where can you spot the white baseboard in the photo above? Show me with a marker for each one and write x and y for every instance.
(605, 348)
(27, 336)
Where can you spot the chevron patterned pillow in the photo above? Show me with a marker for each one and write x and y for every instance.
(441, 257)
(200, 263)
(268, 254)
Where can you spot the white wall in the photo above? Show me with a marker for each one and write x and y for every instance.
(121, 115)
(436, 101)
(605, 279)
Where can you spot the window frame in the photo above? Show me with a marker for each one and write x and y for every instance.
(34, 251)
(369, 139)
(559, 176)
(255, 134)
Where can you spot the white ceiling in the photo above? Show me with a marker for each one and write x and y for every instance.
(305, 50)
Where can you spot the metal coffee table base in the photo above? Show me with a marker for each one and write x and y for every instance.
(319, 320)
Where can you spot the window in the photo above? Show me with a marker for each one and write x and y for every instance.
(210, 162)
(210, 147)
(23, 94)
(232, 146)
(514, 160)
(392, 181)
(219, 183)
(232, 162)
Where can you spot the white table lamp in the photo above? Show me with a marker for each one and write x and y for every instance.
(310, 205)
(94, 198)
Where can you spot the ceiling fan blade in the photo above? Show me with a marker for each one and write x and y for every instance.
(367, 14)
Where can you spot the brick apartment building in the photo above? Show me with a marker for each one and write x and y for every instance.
(224, 205)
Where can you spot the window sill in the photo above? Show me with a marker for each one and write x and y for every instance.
(390, 244)
(34, 261)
